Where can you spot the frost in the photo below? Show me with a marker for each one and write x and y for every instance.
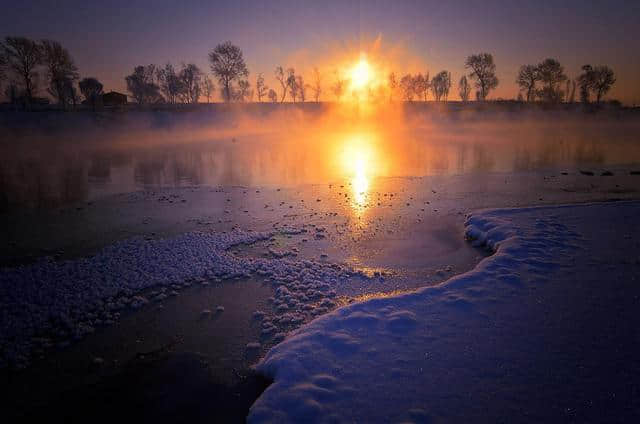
(414, 357)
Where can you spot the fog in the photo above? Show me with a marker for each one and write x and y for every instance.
(53, 158)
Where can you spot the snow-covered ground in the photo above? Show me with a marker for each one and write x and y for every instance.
(544, 330)
(56, 302)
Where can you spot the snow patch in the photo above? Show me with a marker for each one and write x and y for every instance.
(368, 362)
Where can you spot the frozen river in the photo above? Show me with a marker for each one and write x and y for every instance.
(372, 206)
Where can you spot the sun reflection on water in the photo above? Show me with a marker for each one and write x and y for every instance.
(359, 166)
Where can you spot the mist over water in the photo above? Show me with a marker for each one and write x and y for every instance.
(56, 158)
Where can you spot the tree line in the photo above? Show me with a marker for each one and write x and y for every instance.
(25, 64)
(544, 82)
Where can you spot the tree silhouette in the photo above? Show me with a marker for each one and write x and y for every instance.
(23, 57)
(527, 78)
(585, 82)
(70, 92)
(261, 88)
(302, 88)
(279, 72)
(91, 89)
(317, 84)
(603, 79)
(440, 85)
(447, 86)
(551, 75)
(407, 87)
(338, 86)
(292, 84)
(273, 96)
(61, 71)
(191, 78)
(393, 85)
(170, 83)
(207, 88)
(421, 86)
(483, 71)
(141, 84)
(227, 63)
(464, 89)
(244, 91)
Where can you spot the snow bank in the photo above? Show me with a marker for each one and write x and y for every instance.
(54, 303)
(495, 344)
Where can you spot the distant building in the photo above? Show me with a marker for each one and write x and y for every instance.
(113, 98)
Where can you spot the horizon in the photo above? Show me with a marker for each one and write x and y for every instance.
(413, 211)
(441, 38)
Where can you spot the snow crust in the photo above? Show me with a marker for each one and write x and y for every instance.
(49, 304)
(473, 348)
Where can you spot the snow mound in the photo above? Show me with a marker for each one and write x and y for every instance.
(476, 348)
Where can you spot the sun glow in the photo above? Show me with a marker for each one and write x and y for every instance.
(361, 74)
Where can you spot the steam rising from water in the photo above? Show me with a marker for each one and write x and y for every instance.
(59, 158)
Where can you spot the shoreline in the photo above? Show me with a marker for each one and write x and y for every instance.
(365, 340)
(238, 381)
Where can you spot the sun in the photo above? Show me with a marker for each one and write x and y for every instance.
(361, 74)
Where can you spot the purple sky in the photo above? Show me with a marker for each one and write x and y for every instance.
(108, 39)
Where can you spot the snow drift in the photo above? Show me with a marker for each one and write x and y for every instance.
(525, 336)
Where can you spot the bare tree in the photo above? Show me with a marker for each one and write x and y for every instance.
(427, 86)
(440, 85)
(464, 89)
(244, 91)
(191, 78)
(603, 79)
(23, 57)
(407, 87)
(273, 96)
(527, 78)
(227, 63)
(393, 85)
(338, 87)
(585, 81)
(283, 82)
(420, 86)
(447, 86)
(551, 75)
(91, 89)
(316, 87)
(302, 88)
(61, 70)
(70, 92)
(207, 88)
(483, 71)
(292, 84)
(169, 82)
(141, 84)
(261, 88)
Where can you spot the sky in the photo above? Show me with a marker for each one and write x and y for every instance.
(107, 39)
